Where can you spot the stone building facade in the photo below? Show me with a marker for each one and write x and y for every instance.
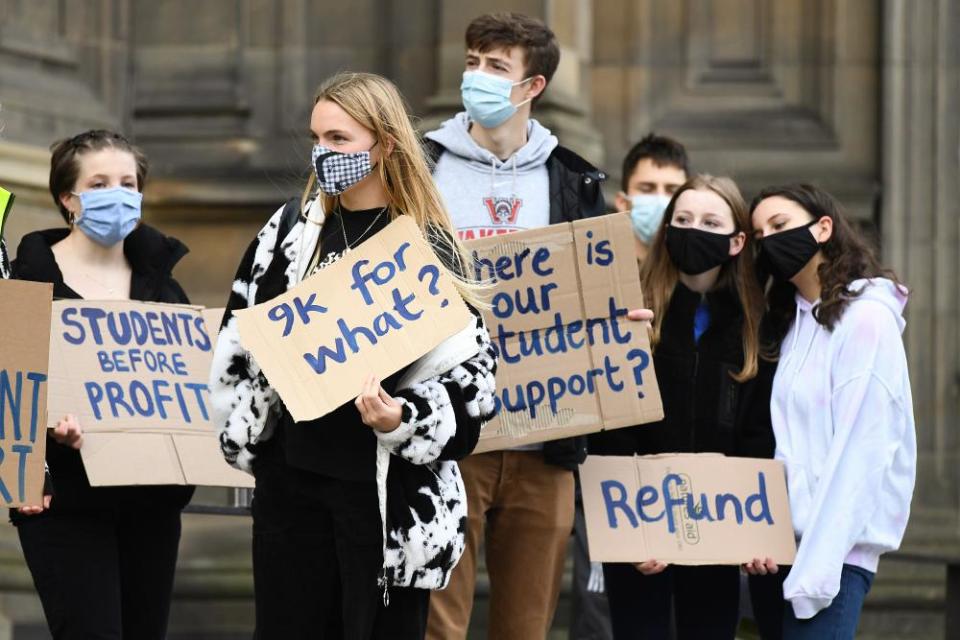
(861, 96)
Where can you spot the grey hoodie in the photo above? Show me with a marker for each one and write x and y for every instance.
(487, 196)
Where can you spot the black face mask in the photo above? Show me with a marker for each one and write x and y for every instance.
(784, 254)
(694, 251)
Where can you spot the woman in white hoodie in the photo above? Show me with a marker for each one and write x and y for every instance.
(841, 406)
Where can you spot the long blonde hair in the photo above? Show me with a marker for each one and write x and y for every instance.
(659, 275)
(376, 104)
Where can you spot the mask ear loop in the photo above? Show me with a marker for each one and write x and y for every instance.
(73, 215)
(517, 84)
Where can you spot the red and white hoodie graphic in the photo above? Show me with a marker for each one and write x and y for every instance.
(485, 195)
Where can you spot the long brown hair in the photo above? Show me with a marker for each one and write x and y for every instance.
(847, 256)
(376, 104)
(659, 276)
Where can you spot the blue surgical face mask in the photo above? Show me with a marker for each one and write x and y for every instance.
(107, 216)
(486, 98)
(646, 213)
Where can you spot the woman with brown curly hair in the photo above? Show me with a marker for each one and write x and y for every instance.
(841, 405)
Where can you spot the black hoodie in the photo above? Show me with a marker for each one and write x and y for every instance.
(152, 257)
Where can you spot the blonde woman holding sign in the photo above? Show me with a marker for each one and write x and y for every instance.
(322, 564)
(102, 558)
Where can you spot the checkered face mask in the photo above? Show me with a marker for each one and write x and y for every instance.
(337, 172)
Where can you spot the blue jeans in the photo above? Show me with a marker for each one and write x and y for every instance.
(839, 620)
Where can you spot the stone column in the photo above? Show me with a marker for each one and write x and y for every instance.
(62, 69)
(920, 224)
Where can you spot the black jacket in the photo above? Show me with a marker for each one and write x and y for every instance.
(152, 257)
(705, 409)
(575, 193)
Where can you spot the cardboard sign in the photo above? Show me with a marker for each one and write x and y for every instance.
(135, 375)
(374, 311)
(24, 343)
(212, 318)
(686, 509)
(570, 361)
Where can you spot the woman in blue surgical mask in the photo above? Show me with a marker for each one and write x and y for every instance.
(102, 558)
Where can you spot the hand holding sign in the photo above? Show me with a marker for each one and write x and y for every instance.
(640, 315)
(377, 409)
(651, 567)
(68, 432)
(758, 567)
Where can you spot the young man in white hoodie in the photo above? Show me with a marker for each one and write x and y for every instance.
(501, 171)
(841, 406)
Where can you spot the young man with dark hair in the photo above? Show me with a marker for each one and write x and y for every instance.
(652, 171)
(501, 171)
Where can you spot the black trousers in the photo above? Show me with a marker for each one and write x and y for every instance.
(103, 575)
(317, 554)
(703, 601)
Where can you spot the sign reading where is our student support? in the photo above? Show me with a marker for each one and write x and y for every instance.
(24, 342)
(375, 310)
(135, 375)
(686, 509)
(570, 361)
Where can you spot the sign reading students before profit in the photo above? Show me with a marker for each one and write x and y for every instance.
(570, 361)
(135, 375)
(375, 310)
(686, 509)
(24, 342)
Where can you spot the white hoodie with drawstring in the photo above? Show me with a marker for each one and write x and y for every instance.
(843, 418)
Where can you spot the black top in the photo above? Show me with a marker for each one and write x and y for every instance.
(338, 444)
(705, 409)
(152, 257)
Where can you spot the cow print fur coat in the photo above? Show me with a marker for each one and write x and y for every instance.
(446, 398)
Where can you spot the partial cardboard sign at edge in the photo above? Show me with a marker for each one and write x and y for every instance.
(24, 346)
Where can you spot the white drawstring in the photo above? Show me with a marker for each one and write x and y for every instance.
(493, 179)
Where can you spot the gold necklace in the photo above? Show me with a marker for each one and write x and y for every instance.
(110, 290)
(343, 228)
